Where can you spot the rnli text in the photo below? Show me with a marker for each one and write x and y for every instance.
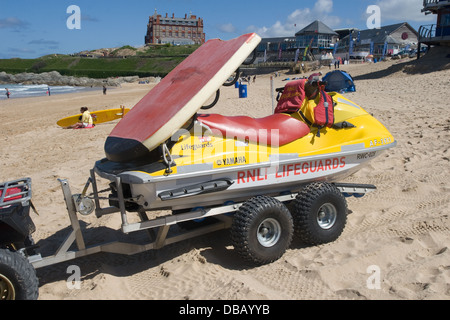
(289, 170)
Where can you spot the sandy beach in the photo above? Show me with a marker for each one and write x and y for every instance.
(402, 229)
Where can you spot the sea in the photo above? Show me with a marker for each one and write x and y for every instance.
(25, 91)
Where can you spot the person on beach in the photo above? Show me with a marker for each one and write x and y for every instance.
(86, 120)
(48, 91)
(7, 93)
(104, 89)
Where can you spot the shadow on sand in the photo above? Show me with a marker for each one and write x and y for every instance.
(437, 59)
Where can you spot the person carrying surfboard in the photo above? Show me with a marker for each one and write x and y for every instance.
(86, 120)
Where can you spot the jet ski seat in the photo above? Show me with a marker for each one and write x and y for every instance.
(276, 129)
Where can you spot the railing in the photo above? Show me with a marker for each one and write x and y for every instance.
(427, 3)
(429, 32)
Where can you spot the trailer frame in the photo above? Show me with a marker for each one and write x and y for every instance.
(157, 228)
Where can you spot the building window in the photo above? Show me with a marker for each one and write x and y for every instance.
(445, 20)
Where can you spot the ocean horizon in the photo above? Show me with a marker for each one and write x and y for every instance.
(38, 90)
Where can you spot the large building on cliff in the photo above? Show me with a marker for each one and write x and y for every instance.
(176, 31)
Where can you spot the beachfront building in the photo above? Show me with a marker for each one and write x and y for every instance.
(439, 33)
(312, 42)
(280, 49)
(317, 37)
(173, 30)
(387, 40)
(345, 32)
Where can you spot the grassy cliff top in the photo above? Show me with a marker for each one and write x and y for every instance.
(102, 63)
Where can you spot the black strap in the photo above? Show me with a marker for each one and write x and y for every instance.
(310, 124)
(304, 118)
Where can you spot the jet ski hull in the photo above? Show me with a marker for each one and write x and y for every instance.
(286, 173)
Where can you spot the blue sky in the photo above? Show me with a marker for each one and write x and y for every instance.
(30, 28)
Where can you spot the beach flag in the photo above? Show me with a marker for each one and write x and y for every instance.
(371, 47)
(350, 49)
(306, 51)
(385, 49)
(336, 45)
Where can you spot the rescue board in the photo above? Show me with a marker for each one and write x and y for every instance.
(100, 116)
(171, 103)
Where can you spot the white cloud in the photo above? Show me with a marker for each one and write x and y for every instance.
(324, 6)
(299, 19)
(403, 10)
(13, 23)
(228, 28)
(276, 30)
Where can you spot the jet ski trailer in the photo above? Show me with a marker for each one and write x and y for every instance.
(262, 227)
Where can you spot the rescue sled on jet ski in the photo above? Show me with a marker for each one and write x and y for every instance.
(239, 171)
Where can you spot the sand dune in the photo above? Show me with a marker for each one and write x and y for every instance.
(401, 230)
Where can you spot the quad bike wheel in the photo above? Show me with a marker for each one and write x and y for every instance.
(262, 230)
(320, 213)
(18, 280)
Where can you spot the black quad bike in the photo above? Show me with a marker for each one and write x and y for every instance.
(18, 280)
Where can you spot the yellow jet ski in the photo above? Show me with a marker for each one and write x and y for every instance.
(240, 171)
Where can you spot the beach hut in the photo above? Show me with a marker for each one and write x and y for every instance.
(339, 81)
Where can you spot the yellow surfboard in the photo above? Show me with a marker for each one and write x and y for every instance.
(100, 116)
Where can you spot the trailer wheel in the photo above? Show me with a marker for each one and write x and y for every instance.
(18, 280)
(320, 213)
(262, 230)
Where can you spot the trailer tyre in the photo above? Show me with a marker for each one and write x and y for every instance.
(320, 214)
(18, 280)
(262, 230)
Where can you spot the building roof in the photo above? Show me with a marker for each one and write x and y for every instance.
(317, 27)
(278, 39)
(383, 34)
